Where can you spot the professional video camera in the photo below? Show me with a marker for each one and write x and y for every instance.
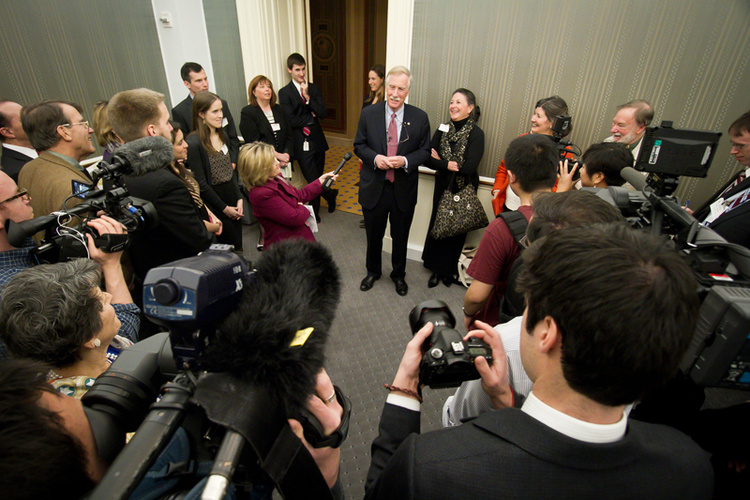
(64, 240)
(719, 354)
(241, 356)
(448, 360)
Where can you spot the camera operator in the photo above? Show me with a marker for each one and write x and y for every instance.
(589, 355)
(600, 167)
(551, 211)
(180, 233)
(15, 207)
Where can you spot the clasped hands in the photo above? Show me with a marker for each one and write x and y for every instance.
(388, 162)
(235, 212)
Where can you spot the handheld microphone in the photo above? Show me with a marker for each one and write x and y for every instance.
(135, 158)
(327, 183)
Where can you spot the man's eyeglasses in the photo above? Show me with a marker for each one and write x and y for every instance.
(738, 147)
(405, 129)
(20, 193)
(85, 124)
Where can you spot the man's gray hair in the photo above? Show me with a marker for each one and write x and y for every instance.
(49, 311)
(644, 113)
(399, 70)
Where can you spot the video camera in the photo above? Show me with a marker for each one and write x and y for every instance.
(719, 354)
(204, 302)
(561, 125)
(448, 360)
(62, 241)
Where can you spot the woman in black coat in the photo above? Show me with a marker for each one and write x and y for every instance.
(264, 120)
(457, 149)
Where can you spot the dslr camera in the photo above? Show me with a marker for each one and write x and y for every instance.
(448, 359)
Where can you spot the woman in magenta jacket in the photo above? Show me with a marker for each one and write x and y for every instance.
(278, 206)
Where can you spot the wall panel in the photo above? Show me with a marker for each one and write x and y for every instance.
(687, 57)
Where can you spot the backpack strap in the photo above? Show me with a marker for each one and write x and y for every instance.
(517, 224)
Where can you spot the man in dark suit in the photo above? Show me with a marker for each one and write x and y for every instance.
(180, 232)
(16, 148)
(303, 104)
(727, 211)
(195, 79)
(392, 141)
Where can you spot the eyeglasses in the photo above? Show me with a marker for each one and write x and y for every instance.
(739, 147)
(20, 193)
(404, 129)
(85, 124)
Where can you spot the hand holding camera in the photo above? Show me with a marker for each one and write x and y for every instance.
(448, 358)
(495, 379)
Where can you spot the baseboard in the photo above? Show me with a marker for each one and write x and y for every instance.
(413, 251)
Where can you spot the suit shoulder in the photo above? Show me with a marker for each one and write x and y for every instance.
(185, 103)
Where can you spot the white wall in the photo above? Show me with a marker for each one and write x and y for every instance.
(186, 40)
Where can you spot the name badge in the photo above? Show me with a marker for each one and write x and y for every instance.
(224, 123)
(306, 146)
(443, 127)
(275, 127)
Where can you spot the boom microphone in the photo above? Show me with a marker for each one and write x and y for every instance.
(276, 336)
(634, 177)
(327, 183)
(135, 158)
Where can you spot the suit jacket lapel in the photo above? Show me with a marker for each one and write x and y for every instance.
(382, 138)
(404, 133)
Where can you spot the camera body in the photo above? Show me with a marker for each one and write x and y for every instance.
(448, 359)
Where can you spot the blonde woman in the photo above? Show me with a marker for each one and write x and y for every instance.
(277, 205)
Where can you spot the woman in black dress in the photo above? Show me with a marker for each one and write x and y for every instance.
(208, 158)
(457, 149)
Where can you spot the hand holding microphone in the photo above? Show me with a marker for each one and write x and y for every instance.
(328, 181)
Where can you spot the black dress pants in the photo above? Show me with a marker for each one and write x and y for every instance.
(376, 220)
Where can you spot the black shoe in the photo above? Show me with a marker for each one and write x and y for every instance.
(331, 200)
(368, 281)
(433, 281)
(447, 280)
(401, 287)
(317, 218)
